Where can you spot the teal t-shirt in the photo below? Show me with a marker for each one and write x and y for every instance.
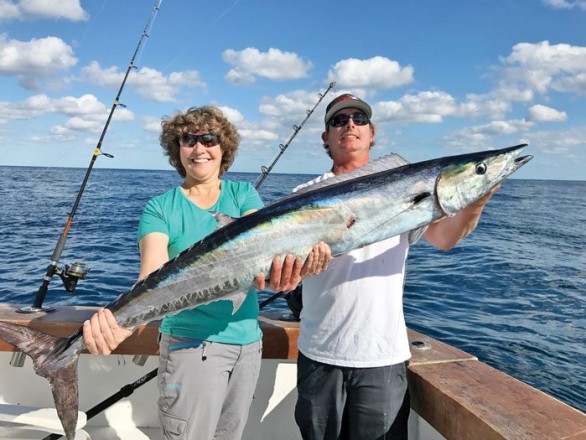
(174, 215)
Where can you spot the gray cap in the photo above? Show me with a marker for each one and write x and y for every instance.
(344, 101)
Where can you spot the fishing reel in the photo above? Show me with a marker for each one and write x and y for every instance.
(70, 275)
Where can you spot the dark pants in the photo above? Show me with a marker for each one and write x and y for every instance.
(343, 403)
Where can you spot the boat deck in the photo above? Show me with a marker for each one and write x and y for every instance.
(458, 395)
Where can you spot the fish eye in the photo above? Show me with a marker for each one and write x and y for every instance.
(480, 168)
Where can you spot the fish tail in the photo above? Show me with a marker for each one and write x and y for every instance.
(55, 360)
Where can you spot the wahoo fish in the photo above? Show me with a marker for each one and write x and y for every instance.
(384, 198)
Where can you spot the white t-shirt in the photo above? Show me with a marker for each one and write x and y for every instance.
(352, 313)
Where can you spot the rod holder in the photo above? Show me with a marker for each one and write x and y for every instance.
(33, 309)
(140, 359)
(17, 359)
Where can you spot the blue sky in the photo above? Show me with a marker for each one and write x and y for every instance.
(443, 77)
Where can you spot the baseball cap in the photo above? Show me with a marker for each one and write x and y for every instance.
(344, 101)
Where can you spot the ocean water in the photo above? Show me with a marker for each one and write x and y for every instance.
(513, 293)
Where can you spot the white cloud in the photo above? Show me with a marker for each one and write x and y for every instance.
(495, 128)
(568, 142)
(236, 76)
(542, 113)
(84, 105)
(90, 122)
(149, 83)
(425, 107)
(253, 134)
(34, 59)
(377, 72)
(233, 115)
(85, 113)
(30, 108)
(565, 4)
(274, 64)
(95, 74)
(542, 67)
(8, 10)
(153, 86)
(428, 102)
(476, 106)
(551, 58)
(483, 136)
(572, 84)
(290, 106)
(31, 9)
(151, 124)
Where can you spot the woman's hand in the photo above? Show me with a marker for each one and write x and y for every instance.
(102, 334)
(286, 275)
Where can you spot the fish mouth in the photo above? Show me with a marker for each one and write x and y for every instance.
(520, 161)
(517, 162)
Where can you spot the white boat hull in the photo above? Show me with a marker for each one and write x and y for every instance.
(135, 417)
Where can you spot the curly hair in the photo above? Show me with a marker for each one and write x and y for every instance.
(372, 128)
(205, 119)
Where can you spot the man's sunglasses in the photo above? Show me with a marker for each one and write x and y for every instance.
(207, 140)
(342, 119)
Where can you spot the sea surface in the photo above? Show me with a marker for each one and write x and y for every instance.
(513, 293)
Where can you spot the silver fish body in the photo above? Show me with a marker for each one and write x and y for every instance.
(385, 198)
(346, 214)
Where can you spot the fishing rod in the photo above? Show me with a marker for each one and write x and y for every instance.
(70, 275)
(266, 170)
(264, 173)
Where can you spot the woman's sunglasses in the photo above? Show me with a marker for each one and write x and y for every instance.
(342, 119)
(207, 140)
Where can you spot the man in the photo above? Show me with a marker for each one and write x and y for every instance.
(353, 344)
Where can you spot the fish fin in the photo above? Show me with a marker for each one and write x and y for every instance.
(65, 394)
(222, 219)
(237, 299)
(50, 362)
(416, 234)
(383, 163)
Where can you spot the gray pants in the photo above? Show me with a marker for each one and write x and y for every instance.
(351, 403)
(205, 391)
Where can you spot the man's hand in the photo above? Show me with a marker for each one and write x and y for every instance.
(102, 334)
(447, 232)
(286, 275)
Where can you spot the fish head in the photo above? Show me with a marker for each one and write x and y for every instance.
(466, 178)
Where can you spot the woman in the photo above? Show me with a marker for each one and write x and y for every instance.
(209, 358)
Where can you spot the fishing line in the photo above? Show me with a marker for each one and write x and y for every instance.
(223, 14)
(93, 22)
(213, 23)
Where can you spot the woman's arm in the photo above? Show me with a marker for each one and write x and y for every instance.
(101, 333)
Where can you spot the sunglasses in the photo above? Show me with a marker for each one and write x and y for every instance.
(342, 119)
(207, 140)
